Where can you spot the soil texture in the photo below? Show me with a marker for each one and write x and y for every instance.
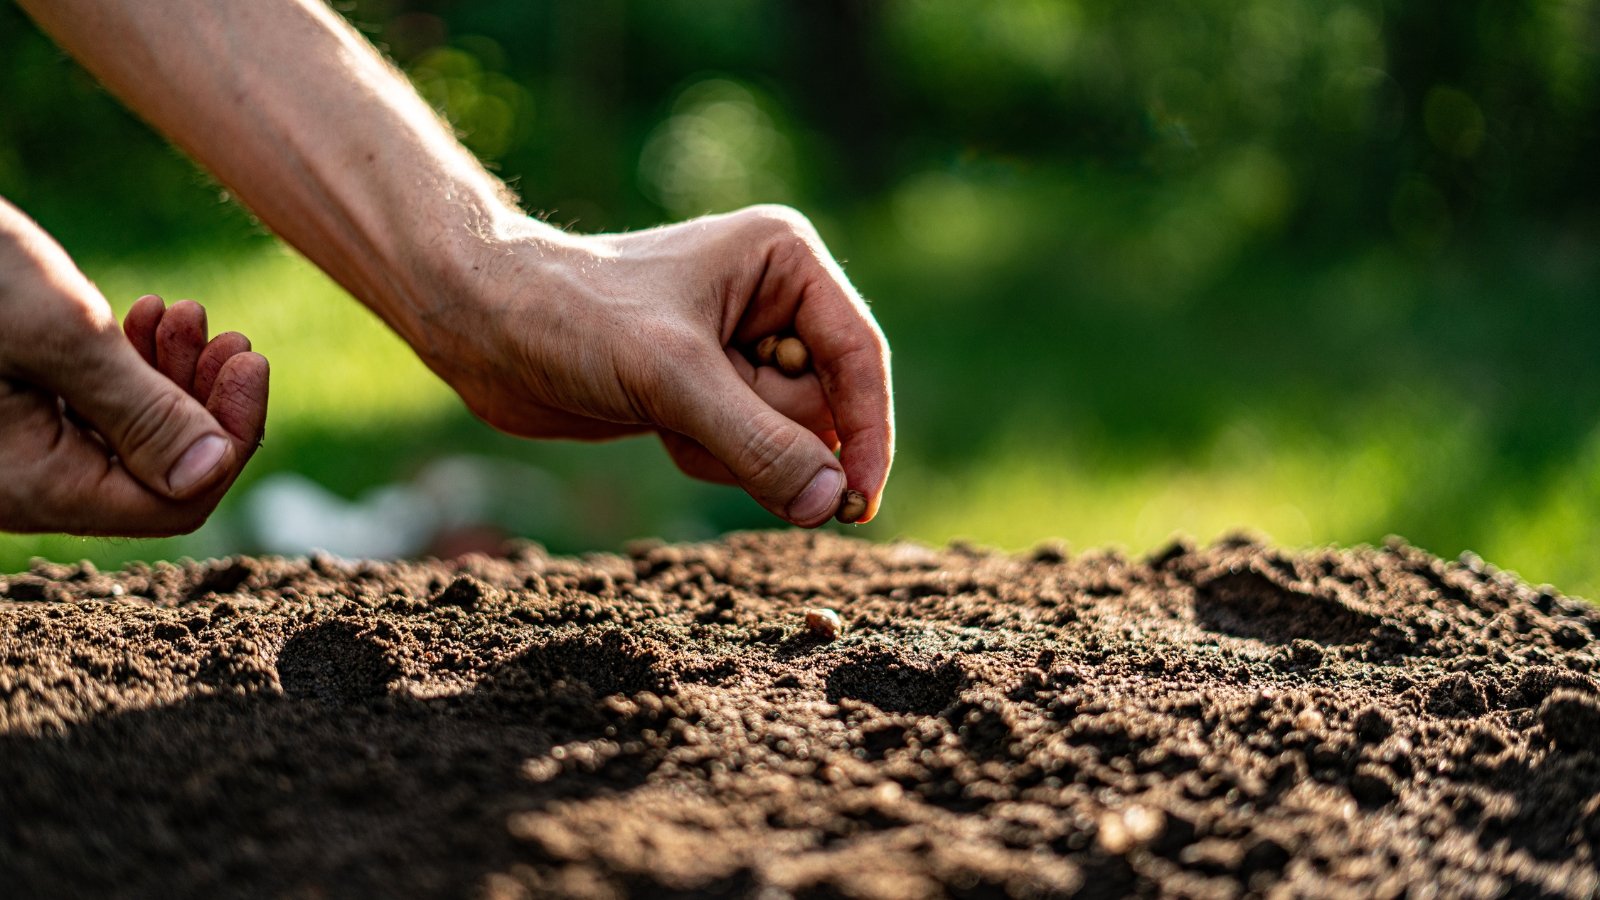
(1208, 722)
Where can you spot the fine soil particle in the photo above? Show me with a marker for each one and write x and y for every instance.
(1209, 723)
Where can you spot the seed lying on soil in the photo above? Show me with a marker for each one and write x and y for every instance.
(791, 356)
(1122, 830)
(852, 507)
(824, 623)
(767, 350)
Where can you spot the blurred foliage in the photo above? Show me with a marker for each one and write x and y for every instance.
(1323, 269)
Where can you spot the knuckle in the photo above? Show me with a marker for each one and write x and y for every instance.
(153, 424)
(863, 364)
(860, 360)
(768, 454)
(778, 220)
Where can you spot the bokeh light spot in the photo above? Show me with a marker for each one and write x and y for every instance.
(720, 148)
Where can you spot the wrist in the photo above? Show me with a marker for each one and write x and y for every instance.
(479, 282)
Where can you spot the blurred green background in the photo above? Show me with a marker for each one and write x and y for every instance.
(1321, 269)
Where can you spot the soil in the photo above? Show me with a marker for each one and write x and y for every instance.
(1205, 722)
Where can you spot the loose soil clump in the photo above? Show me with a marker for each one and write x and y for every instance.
(1206, 722)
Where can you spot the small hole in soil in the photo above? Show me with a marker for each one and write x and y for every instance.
(335, 662)
(223, 579)
(609, 662)
(895, 684)
(1252, 605)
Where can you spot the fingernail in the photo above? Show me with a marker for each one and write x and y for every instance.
(196, 463)
(820, 497)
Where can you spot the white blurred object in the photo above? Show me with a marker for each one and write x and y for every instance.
(291, 515)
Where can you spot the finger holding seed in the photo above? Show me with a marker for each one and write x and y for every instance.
(852, 507)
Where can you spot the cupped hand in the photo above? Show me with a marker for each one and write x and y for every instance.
(606, 335)
(106, 431)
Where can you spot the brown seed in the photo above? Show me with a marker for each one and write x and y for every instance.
(767, 349)
(791, 356)
(824, 623)
(852, 507)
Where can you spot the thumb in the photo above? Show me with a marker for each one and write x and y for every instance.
(163, 436)
(782, 464)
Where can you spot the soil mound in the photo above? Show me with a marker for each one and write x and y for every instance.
(1206, 722)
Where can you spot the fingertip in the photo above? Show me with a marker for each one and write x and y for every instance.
(873, 502)
(867, 475)
(147, 305)
(180, 338)
(253, 372)
(867, 462)
(141, 323)
(238, 400)
(189, 319)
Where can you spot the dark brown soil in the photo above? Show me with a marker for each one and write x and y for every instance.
(1212, 722)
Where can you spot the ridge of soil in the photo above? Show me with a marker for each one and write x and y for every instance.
(1204, 722)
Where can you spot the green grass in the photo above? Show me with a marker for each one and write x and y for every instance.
(1007, 440)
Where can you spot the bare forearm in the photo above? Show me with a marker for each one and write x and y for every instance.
(310, 128)
(542, 334)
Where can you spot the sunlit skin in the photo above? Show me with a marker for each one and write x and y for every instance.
(98, 423)
(542, 333)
